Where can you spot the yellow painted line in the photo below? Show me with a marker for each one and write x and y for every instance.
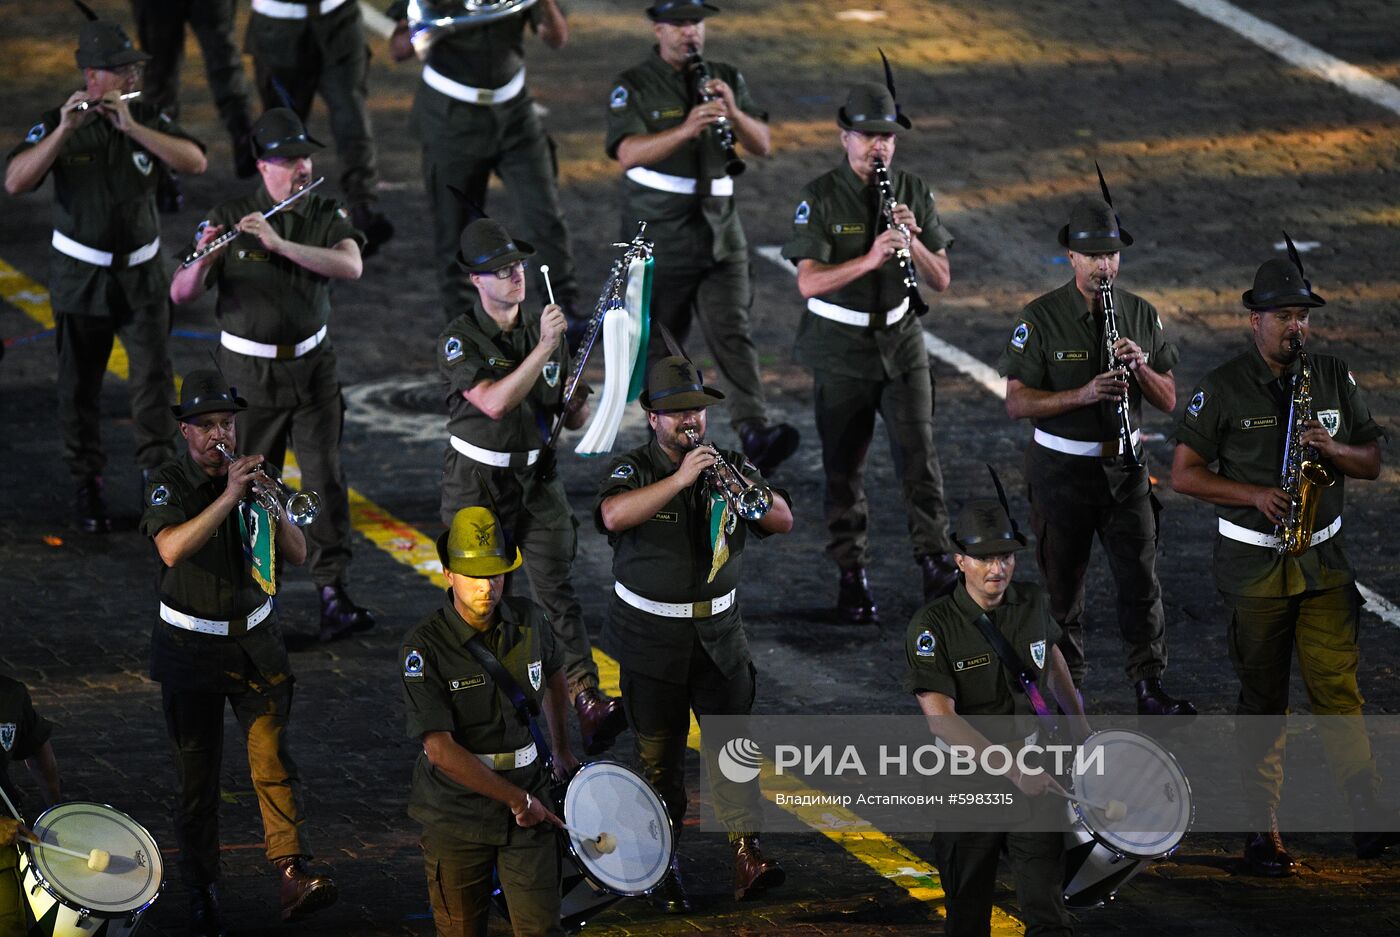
(32, 299)
(885, 856)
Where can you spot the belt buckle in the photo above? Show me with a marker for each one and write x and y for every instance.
(286, 352)
(237, 627)
(503, 761)
(703, 609)
(485, 96)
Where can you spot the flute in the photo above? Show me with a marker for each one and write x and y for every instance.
(228, 236)
(84, 105)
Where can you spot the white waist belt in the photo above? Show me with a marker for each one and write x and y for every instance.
(1080, 447)
(680, 185)
(291, 11)
(246, 346)
(1245, 535)
(455, 89)
(91, 255)
(850, 316)
(492, 457)
(210, 625)
(703, 609)
(504, 761)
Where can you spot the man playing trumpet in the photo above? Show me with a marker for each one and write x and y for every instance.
(218, 639)
(106, 276)
(674, 623)
(274, 304)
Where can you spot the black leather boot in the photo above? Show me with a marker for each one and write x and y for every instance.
(1264, 853)
(768, 446)
(91, 507)
(1152, 700)
(340, 616)
(855, 603)
(670, 896)
(940, 574)
(299, 892)
(206, 920)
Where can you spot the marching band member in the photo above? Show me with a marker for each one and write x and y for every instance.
(474, 116)
(662, 128)
(218, 639)
(865, 349)
(942, 640)
(302, 48)
(674, 623)
(480, 785)
(24, 736)
(1238, 419)
(1081, 484)
(503, 372)
(106, 276)
(274, 304)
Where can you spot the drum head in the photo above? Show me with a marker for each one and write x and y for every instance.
(132, 878)
(605, 797)
(1150, 784)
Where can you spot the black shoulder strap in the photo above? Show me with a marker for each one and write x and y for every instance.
(1012, 662)
(525, 710)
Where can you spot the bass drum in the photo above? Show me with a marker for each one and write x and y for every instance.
(606, 797)
(65, 897)
(1102, 854)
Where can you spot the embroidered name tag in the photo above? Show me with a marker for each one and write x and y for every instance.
(259, 256)
(1076, 355)
(667, 517)
(500, 362)
(849, 228)
(1258, 422)
(981, 660)
(667, 113)
(77, 158)
(468, 683)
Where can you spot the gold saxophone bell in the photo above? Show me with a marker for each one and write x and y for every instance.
(750, 502)
(276, 497)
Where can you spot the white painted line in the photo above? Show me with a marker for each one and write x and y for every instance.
(988, 377)
(1380, 605)
(1294, 50)
(375, 21)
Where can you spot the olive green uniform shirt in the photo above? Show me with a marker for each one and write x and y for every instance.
(947, 653)
(445, 689)
(216, 582)
(654, 97)
(1058, 344)
(836, 220)
(104, 198)
(267, 298)
(668, 559)
(1237, 418)
(23, 733)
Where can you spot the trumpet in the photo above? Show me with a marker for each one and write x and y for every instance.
(750, 502)
(903, 255)
(228, 236)
(275, 497)
(430, 20)
(84, 105)
(723, 129)
(1122, 408)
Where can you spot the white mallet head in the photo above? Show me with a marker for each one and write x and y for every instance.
(1115, 810)
(98, 859)
(605, 843)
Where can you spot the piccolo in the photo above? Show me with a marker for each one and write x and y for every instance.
(228, 236)
(84, 105)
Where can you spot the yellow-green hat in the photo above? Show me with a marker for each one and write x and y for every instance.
(476, 546)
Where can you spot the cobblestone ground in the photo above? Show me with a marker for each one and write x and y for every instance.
(1212, 146)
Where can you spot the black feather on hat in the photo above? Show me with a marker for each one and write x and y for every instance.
(1281, 284)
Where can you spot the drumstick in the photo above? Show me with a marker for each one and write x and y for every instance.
(97, 859)
(1114, 810)
(604, 842)
(549, 288)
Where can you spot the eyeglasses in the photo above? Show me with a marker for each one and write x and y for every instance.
(508, 271)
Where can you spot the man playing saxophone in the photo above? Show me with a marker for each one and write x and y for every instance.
(1237, 419)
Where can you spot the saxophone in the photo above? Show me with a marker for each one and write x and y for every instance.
(1303, 476)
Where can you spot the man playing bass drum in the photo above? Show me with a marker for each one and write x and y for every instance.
(1238, 418)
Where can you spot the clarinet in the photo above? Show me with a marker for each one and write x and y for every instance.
(723, 129)
(1110, 335)
(903, 255)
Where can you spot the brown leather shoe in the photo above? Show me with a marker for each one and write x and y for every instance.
(754, 874)
(940, 574)
(600, 719)
(302, 893)
(1264, 853)
(855, 603)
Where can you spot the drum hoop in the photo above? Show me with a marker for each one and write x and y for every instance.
(1117, 848)
(584, 869)
(56, 891)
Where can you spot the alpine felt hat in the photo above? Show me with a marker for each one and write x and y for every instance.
(476, 546)
(870, 108)
(1279, 284)
(486, 246)
(104, 44)
(667, 11)
(206, 391)
(985, 529)
(673, 383)
(1093, 229)
(280, 132)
